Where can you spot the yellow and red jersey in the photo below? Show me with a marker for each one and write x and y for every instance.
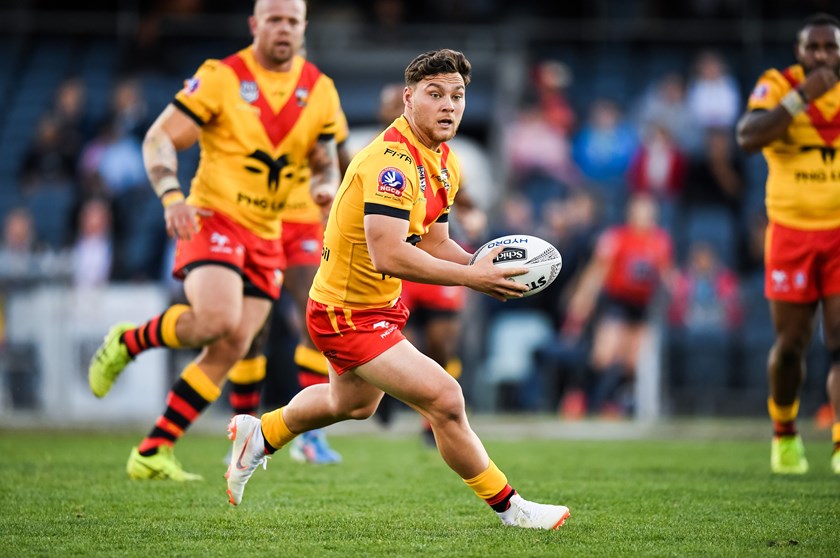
(803, 182)
(257, 129)
(299, 206)
(396, 175)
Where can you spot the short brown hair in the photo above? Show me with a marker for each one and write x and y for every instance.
(434, 62)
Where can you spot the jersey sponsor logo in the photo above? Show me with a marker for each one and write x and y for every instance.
(397, 154)
(191, 85)
(443, 178)
(302, 96)
(779, 281)
(387, 326)
(249, 91)
(421, 172)
(220, 243)
(391, 181)
(760, 92)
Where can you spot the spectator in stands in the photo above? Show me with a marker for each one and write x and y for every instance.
(705, 294)
(93, 247)
(658, 166)
(47, 163)
(19, 245)
(552, 79)
(69, 111)
(715, 179)
(616, 290)
(714, 99)
(602, 150)
(664, 103)
(129, 111)
(539, 156)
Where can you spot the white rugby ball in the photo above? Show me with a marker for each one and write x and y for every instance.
(521, 250)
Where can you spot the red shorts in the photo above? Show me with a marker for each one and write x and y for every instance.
(222, 241)
(302, 243)
(350, 338)
(432, 297)
(799, 265)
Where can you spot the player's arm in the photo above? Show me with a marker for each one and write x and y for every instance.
(171, 132)
(758, 128)
(326, 177)
(392, 255)
(437, 243)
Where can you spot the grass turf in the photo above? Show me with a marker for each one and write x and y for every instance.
(66, 494)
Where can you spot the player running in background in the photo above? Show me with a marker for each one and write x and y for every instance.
(793, 116)
(630, 263)
(389, 221)
(303, 239)
(264, 118)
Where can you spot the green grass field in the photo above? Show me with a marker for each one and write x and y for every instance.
(66, 494)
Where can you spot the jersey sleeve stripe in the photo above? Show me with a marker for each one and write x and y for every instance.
(325, 137)
(444, 218)
(379, 209)
(183, 108)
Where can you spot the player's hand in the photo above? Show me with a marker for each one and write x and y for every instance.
(322, 195)
(182, 220)
(495, 281)
(818, 82)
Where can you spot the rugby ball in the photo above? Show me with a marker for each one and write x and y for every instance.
(521, 250)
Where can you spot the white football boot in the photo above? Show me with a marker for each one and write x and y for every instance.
(247, 454)
(531, 515)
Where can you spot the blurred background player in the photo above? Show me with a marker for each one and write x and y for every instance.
(228, 230)
(617, 287)
(303, 240)
(792, 116)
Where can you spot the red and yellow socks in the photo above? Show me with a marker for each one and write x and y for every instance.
(275, 432)
(246, 380)
(157, 332)
(783, 417)
(190, 395)
(312, 367)
(492, 487)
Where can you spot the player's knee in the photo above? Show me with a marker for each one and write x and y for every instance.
(786, 356)
(449, 405)
(216, 325)
(362, 411)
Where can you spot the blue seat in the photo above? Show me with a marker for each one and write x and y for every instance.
(52, 213)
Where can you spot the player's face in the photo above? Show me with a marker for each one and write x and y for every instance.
(819, 46)
(278, 28)
(435, 107)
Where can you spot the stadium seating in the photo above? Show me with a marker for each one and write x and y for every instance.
(512, 338)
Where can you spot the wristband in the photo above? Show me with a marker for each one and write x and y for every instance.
(166, 184)
(171, 197)
(794, 103)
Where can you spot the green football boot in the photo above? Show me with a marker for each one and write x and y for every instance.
(160, 466)
(109, 360)
(835, 462)
(787, 455)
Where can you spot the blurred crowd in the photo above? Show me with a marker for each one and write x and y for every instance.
(90, 217)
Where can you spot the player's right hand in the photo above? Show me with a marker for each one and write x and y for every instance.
(818, 82)
(495, 281)
(182, 220)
